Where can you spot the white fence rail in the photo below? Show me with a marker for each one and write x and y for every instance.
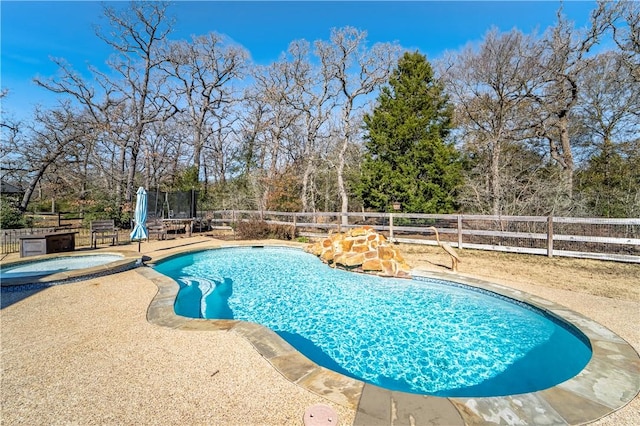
(595, 238)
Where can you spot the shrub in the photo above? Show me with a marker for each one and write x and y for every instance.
(10, 216)
(253, 230)
(261, 230)
(282, 232)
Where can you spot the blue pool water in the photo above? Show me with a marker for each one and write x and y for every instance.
(57, 264)
(419, 336)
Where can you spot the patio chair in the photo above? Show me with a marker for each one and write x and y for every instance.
(103, 229)
(157, 228)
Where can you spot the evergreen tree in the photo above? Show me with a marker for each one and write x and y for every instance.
(408, 159)
(610, 182)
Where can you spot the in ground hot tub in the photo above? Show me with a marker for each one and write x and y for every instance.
(53, 269)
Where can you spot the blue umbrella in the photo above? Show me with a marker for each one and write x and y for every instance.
(140, 217)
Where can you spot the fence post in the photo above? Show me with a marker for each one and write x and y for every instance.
(295, 221)
(460, 231)
(391, 226)
(550, 236)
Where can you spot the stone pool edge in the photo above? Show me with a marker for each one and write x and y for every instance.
(129, 260)
(607, 383)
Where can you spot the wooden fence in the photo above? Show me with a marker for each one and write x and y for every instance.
(595, 238)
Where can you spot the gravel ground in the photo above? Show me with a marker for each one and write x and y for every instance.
(84, 353)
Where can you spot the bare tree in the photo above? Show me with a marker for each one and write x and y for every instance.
(623, 18)
(10, 139)
(105, 111)
(489, 84)
(129, 96)
(358, 71)
(222, 147)
(628, 37)
(253, 119)
(54, 139)
(307, 92)
(166, 149)
(277, 142)
(608, 109)
(7, 125)
(136, 34)
(607, 117)
(315, 98)
(204, 69)
(562, 60)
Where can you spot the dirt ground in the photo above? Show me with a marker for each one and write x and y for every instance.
(614, 280)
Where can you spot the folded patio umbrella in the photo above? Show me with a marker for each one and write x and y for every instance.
(140, 217)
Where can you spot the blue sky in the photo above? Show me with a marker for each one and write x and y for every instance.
(33, 31)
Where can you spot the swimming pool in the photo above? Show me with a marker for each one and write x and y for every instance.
(426, 337)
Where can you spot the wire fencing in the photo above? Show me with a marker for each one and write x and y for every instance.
(595, 238)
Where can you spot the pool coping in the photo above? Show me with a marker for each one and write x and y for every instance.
(129, 260)
(608, 382)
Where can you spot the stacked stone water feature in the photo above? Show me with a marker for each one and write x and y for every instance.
(363, 250)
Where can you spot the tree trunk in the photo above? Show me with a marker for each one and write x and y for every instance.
(495, 186)
(567, 155)
(131, 173)
(31, 188)
(197, 147)
(306, 178)
(342, 191)
(120, 175)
